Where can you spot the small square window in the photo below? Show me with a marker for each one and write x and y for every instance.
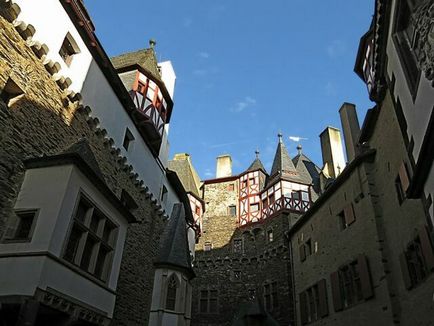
(21, 226)
(232, 210)
(68, 49)
(128, 139)
(197, 210)
(128, 201)
(254, 207)
(207, 246)
(231, 187)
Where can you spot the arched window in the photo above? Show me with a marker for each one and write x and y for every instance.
(172, 286)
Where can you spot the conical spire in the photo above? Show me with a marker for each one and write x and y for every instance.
(174, 250)
(282, 162)
(256, 164)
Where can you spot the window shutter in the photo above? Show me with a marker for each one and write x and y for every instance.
(403, 176)
(336, 291)
(302, 252)
(365, 277)
(12, 227)
(303, 308)
(427, 248)
(349, 214)
(322, 293)
(405, 272)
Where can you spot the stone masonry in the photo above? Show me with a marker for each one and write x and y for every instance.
(44, 122)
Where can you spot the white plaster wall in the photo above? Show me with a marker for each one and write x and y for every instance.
(191, 236)
(78, 182)
(168, 76)
(54, 191)
(162, 317)
(43, 189)
(62, 279)
(417, 114)
(20, 275)
(52, 23)
(105, 105)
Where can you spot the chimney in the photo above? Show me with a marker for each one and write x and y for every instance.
(332, 152)
(224, 166)
(351, 128)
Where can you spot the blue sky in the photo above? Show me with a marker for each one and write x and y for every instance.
(246, 69)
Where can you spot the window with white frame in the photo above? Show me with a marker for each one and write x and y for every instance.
(91, 241)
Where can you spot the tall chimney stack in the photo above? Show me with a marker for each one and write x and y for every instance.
(351, 128)
(224, 166)
(332, 152)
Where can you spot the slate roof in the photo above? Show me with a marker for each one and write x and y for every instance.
(174, 251)
(283, 167)
(145, 58)
(256, 165)
(82, 148)
(308, 171)
(186, 174)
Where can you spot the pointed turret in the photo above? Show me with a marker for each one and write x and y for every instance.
(283, 167)
(256, 164)
(174, 251)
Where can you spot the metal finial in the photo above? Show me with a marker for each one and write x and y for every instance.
(152, 43)
(299, 149)
(257, 153)
(280, 136)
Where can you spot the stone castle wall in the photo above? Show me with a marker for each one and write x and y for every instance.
(44, 122)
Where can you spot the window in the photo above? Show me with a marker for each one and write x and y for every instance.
(128, 201)
(244, 184)
(402, 182)
(172, 286)
(252, 181)
(197, 210)
(270, 235)
(351, 284)
(20, 226)
(208, 302)
(68, 49)
(91, 241)
(306, 249)
(313, 303)
(271, 199)
(270, 296)
(406, 39)
(11, 92)
(207, 246)
(232, 210)
(254, 207)
(163, 194)
(237, 246)
(417, 262)
(231, 187)
(128, 139)
(346, 217)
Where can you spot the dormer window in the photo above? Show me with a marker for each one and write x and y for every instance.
(68, 49)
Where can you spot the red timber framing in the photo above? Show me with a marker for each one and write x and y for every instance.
(150, 103)
(197, 209)
(285, 195)
(249, 197)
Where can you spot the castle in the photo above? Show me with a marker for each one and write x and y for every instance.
(99, 227)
